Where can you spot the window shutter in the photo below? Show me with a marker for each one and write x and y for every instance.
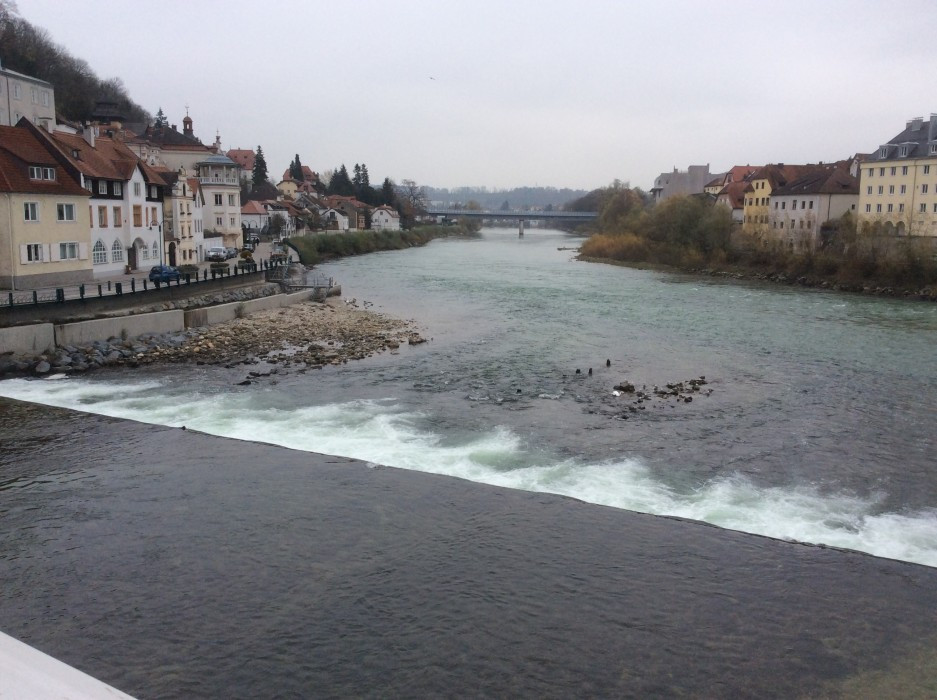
(47, 252)
(82, 251)
(24, 254)
(54, 252)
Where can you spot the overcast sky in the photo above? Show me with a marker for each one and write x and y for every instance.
(503, 94)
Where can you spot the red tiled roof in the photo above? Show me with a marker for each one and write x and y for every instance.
(243, 157)
(109, 159)
(20, 148)
(253, 207)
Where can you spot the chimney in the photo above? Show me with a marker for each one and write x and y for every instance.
(916, 123)
(88, 134)
(932, 128)
(175, 128)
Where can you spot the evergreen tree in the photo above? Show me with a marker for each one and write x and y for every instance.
(260, 168)
(341, 184)
(365, 178)
(356, 180)
(161, 120)
(388, 193)
(296, 169)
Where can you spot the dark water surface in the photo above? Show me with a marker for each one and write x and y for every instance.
(175, 564)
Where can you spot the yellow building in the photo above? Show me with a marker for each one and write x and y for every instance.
(757, 196)
(44, 231)
(898, 183)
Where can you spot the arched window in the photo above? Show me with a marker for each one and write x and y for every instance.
(155, 251)
(99, 253)
(117, 252)
(145, 251)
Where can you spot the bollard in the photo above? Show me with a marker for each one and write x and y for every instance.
(59, 294)
(108, 285)
(100, 291)
(119, 288)
(35, 297)
(81, 290)
(133, 285)
(205, 275)
(11, 299)
(145, 285)
(188, 278)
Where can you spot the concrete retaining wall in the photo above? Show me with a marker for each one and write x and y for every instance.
(27, 340)
(86, 332)
(220, 313)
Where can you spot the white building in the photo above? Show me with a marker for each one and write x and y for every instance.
(24, 96)
(797, 210)
(385, 218)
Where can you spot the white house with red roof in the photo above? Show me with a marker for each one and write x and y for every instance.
(385, 218)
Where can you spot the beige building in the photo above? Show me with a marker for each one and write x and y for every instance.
(898, 183)
(44, 232)
(24, 96)
(798, 210)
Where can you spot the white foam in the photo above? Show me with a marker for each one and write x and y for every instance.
(380, 432)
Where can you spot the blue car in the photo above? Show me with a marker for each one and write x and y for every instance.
(164, 273)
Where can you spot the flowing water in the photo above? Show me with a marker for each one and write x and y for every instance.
(816, 424)
(173, 563)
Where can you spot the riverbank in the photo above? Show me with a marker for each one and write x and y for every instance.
(743, 273)
(308, 335)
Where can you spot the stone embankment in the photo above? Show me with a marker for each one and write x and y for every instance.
(308, 335)
(924, 294)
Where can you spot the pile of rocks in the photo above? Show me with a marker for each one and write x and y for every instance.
(682, 391)
(310, 334)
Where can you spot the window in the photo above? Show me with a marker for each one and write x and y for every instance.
(232, 222)
(933, 148)
(99, 253)
(783, 205)
(230, 200)
(775, 205)
(117, 252)
(16, 91)
(868, 208)
(34, 93)
(155, 251)
(137, 215)
(48, 173)
(153, 216)
(891, 189)
(217, 200)
(68, 251)
(136, 189)
(30, 211)
(102, 217)
(904, 189)
(118, 217)
(902, 151)
(923, 208)
(794, 204)
(881, 189)
(65, 212)
(152, 191)
(923, 189)
(102, 187)
(811, 204)
(904, 169)
(145, 252)
(182, 207)
(881, 172)
(890, 206)
(218, 221)
(894, 171)
(871, 172)
(782, 225)
(118, 189)
(868, 190)
(935, 207)
(45, 98)
(878, 208)
(33, 252)
(927, 170)
(35, 172)
(901, 207)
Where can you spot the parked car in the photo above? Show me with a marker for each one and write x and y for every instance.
(230, 253)
(164, 273)
(216, 254)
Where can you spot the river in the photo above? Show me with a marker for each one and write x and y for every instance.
(816, 422)
(173, 563)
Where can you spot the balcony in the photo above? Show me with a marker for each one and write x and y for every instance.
(215, 180)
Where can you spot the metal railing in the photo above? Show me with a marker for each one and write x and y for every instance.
(92, 290)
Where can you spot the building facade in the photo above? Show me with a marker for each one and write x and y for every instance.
(23, 96)
(898, 182)
(798, 210)
(691, 181)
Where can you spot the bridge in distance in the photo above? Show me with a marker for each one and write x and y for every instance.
(519, 216)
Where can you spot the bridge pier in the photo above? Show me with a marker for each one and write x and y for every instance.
(520, 227)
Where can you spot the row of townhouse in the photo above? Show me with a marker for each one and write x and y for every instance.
(892, 190)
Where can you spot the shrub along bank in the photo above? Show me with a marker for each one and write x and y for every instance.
(692, 234)
(317, 247)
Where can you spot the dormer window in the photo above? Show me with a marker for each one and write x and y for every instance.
(902, 151)
(37, 172)
(118, 189)
(933, 149)
(884, 152)
(102, 187)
